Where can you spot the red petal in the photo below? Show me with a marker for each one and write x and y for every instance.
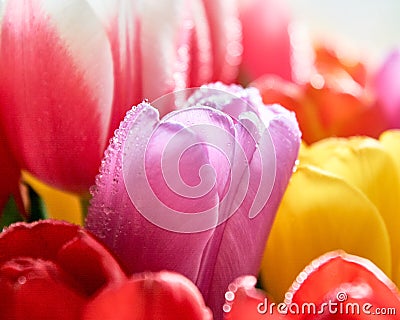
(159, 296)
(266, 42)
(38, 289)
(55, 95)
(226, 36)
(60, 261)
(121, 23)
(341, 278)
(242, 298)
(86, 259)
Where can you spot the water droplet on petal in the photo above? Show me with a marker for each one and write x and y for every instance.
(22, 280)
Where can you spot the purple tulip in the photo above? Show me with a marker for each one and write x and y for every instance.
(197, 191)
(387, 86)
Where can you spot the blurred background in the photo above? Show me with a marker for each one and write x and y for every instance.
(372, 26)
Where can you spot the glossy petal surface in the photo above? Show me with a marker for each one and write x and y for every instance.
(321, 212)
(346, 280)
(388, 89)
(334, 286)
(52, 261)
(55, 98)
(266, 42)
(159, 296)
(365, 164)
(200, 154)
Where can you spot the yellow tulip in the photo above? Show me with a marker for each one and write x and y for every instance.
(59, 205)
(345, 194)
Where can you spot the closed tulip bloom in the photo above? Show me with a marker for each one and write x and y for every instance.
(196, 192)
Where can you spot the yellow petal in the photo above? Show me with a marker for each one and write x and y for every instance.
(320, 213)
(391, 142)
(59, 205)
(367, 165)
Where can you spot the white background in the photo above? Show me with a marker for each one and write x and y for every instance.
(373, 26)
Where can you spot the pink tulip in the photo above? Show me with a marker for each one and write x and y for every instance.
(196, 192)
(70, 70)
(266, 41)
(387, 85)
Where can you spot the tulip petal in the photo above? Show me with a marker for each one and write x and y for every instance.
(226, 36)
(387, 87)
(390, 141)
(159, 296)
(54, 96)
(345, 281)
(266, 42)
(201, 64)
(26, 284)
(55, 262)
(242, 298)
(232, 239)
(333, 286)
(366, 165)
(311, 223)
(114, 218)
(120, 19)
(163, 47)
(158, 157)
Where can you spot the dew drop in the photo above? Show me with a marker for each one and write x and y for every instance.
(229, 296)
(22, 280)
(227, 308)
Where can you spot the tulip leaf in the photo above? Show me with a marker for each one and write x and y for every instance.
(37, 208)
(10, 213)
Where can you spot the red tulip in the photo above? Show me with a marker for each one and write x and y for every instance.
(51, 269)
(335, 286)
(266, 40)
(150, 296)
(226, 36)
(71, 70)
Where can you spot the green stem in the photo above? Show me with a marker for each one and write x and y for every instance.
(85, 201)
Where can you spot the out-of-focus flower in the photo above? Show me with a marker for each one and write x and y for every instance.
(50, 270)
(387, 86)
(334, 286)
(150, 296)
(345, 194)
(336, 99)
(266, 41)
(167, 187)
(71, 70)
